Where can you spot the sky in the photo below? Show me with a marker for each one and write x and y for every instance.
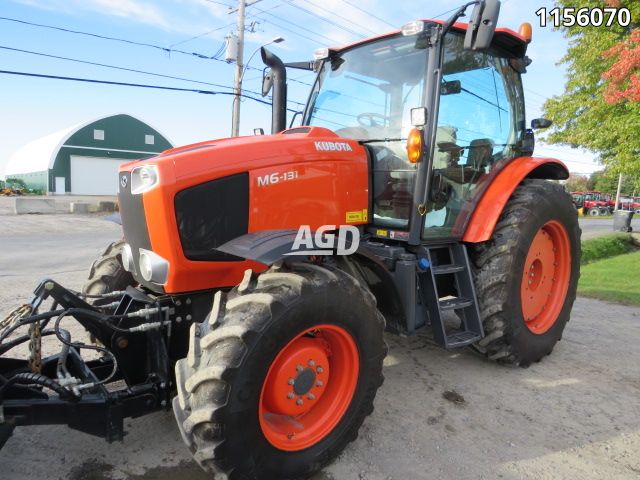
(32, 107)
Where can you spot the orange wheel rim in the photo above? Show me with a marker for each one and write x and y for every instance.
(309, 387)
(545, 278)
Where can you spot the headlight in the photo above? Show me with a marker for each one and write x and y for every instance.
(153, 267)
(144, 178)
(127, 258)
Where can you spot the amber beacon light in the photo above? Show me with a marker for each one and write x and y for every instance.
(414, 145)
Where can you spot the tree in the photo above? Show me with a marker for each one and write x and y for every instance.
(607, 181)
(576, 183)
(600, 108)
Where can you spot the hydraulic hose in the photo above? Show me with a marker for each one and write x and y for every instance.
(29, 378)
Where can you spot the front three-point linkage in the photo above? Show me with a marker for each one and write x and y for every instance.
(56, 388)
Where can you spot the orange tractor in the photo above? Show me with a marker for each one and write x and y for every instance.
(257, 275)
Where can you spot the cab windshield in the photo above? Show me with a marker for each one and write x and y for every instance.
(367, 93)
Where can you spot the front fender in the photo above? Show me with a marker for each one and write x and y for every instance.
(492, 203)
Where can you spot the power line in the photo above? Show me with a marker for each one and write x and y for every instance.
(195, 37)
(115, 67)
(342, 17)
(127, 84)
(219, 3)
(327, 20)
(369, 13)
(266, 12)
(168, 50)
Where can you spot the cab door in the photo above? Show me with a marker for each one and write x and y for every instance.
(480, 125)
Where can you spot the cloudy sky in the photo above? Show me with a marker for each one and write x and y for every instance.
(32, 107)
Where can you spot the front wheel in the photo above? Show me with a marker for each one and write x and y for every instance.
(594, 212)
(281, 375)
(527, 274)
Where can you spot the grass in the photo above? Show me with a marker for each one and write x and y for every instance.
(607, 247)
(614, 279)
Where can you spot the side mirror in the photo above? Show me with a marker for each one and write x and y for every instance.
(539, 123)
(267, 82)
(482, 25)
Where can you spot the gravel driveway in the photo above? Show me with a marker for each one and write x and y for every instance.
(439, 414)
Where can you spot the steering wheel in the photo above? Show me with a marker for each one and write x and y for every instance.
(371, 116)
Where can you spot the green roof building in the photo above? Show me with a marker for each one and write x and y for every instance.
(84, 159)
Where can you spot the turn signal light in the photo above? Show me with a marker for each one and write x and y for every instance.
(414, 145)
(526, 30)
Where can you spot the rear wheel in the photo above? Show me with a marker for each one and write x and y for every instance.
(527, 274)
(281, 375)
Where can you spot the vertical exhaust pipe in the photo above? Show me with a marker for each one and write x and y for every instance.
(279, 102)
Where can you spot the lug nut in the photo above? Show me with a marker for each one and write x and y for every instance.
(319, 369)
(290, 395)
(311, 396)
(299, 401)
(312, 363)
(291, 381)
(319, 383)
(299, 368)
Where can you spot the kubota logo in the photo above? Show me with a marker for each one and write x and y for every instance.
(333, 147)
(324, 242)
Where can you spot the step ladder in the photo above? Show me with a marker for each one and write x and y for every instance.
(450, 263)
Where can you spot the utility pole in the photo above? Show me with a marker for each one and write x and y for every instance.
(237, 85)
(619, 191)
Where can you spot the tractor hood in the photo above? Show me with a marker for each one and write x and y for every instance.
(204, 161)
(184, 203)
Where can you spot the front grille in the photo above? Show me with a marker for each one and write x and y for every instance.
(134, 225)
(211, 214)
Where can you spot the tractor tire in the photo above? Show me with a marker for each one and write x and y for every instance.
(281, 374)
(594, 212)
(526, 276)
(107, 274)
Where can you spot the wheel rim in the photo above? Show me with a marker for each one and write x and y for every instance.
(309, 387)
(545, 278)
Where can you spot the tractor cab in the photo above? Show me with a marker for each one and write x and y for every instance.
(475, 118)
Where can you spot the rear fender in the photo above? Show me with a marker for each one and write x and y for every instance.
(492, 203)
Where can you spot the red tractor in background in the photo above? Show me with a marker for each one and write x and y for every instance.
(629, 203)
(271, 354)
(594, 203)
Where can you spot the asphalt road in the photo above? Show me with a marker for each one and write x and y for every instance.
(574, 415)
(598, 227)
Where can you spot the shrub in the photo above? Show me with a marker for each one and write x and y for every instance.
(606, 247)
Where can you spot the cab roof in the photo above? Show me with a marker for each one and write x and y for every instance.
(504, 38)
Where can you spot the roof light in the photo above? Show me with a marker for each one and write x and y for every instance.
(321, 54)
(413, 28)
(526, 30)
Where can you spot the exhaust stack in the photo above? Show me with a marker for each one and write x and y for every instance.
(279, 78)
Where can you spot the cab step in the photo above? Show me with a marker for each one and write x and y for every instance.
(456, 272)
(447, 269)
(454, 303)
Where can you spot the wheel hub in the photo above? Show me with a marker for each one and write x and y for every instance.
(298, 377)
(308, 387)
(304, 382)
(545, 277)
